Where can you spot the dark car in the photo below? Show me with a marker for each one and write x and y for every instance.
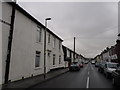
(116, 77)
(81, 64)
(86, 62)
(109, 68)
(97, 64)
(74, 66)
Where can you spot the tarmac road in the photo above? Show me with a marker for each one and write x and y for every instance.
(87, 77)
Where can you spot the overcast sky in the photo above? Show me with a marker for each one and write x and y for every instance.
(94, 24)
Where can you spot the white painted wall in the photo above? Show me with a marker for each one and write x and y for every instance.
(119, 19)
(24, 48)
(68, 53)
(55, 51)
(6, 16)
(0, 44)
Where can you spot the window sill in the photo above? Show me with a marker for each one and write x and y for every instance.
(54, 65)
(49, 44)
(39, 42)
(37, 68)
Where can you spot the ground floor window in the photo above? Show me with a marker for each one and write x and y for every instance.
(53, 59)
(37, 59)
(59, 59)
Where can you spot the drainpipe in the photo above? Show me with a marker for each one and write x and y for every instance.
(10, 43)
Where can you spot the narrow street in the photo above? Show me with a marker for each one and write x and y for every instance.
(87, 77)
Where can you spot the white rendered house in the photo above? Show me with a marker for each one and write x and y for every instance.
(27, 50)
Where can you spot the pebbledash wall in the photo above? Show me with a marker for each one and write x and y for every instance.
(25, 46)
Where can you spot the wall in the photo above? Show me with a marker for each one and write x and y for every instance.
(119, 19)
(0, 44)
(6, 16)
(55, 51)
(24, 48)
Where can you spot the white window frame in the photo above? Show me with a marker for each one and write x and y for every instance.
(54, 40)
(53, 59)
(39, 34)
(59, 59)
(49, 38)
(59, 45)
(37, 59)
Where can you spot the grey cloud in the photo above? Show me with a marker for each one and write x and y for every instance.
(94, 24)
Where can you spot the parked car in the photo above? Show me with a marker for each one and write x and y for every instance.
(101, 67)
(86, 62)
(97, 64)
(81, 64)
(116, 77)
(74, 66)
(109, 68)
(92, 62)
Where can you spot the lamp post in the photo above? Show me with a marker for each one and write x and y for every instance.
(45, 46)
(74, 50)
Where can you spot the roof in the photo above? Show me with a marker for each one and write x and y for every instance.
(31, 17)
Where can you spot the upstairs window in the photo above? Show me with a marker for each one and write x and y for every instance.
(49, 38)
(59, 45)
(39, 34)
(53, 42)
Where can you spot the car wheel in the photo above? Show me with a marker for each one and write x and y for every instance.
(107, 76)
(113, 82)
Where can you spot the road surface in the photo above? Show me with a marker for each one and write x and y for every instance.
(87, 77)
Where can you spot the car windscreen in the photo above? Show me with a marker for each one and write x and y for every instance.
(112, 65)
(75, 62)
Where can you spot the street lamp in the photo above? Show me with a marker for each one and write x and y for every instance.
(45, 46)
(74, 51)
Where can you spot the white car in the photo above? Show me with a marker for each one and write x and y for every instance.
(109, 68)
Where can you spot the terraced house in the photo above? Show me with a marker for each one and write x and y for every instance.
(23, 45)
(118, 40)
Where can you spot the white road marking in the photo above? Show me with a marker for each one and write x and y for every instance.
(88, 73)
(88, 79)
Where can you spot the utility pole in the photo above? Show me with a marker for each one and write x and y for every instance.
(74, 50)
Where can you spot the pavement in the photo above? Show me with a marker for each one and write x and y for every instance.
(31, 82)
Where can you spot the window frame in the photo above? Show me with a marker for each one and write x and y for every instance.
(54, 40)
(60, 59)
(39, 34)
(49, 38)
(37, 59)
(54, 59)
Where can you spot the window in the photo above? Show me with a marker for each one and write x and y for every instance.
(49, 38)
(59, 59)
(38, 34)
(53, 42)
(59, 45)
(37, 59)
(53, 59)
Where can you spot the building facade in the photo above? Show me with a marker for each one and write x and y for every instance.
(0, 44)
(27, 49)
(118, 41)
